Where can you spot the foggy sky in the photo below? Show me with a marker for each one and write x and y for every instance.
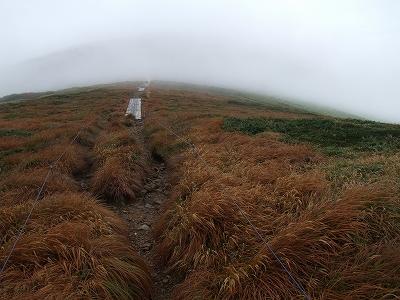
(342, 53)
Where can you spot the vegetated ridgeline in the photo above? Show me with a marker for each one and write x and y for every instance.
(328, 207)
(333, 220)
(73, 247)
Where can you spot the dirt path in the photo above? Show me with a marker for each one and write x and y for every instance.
(141, 217)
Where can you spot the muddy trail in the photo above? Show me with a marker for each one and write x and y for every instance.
(141, 216)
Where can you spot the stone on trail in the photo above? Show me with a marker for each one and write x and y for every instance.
(144, 227)
(147, 246)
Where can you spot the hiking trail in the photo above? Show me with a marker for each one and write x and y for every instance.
(143, 213)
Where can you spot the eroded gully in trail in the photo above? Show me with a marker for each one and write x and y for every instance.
(141, 216)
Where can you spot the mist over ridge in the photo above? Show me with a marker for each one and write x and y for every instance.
(340, 54)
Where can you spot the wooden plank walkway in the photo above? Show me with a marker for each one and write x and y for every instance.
(135, 108)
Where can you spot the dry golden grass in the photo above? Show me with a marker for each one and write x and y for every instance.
(73, 246)
(120, 164)
(333, 221)
(73, 160)
(7, 143)
(338, 235)
(75, 249)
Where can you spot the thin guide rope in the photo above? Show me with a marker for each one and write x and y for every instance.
(35, 202)
(292, 279)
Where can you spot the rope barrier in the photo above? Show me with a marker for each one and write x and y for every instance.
(36, 201)
(292, 278)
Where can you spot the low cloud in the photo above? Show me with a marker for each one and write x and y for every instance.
(342, 54)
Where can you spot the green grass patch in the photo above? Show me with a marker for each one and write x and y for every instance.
(14, 132)
(177, 147)
(245, 103)
(60, 101)
(334, 136)
(10, 116)
(3, 166)
(345, 171)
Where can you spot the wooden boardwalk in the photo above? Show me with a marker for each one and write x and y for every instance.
(135, 108)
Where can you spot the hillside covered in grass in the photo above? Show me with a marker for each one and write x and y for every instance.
(322, 192)
(73, 246)
(334, 136)
(245, 177)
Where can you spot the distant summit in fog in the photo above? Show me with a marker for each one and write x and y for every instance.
(200, 60)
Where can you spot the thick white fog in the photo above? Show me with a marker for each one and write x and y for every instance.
(339, 53)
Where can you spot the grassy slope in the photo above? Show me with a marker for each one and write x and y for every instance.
(332, 136)
(73, 246)
(334, 220)
(273, 102)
